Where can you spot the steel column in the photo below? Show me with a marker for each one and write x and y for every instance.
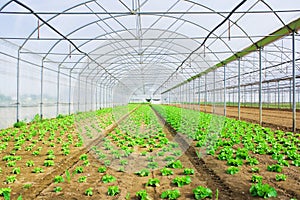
(239, 88)
(18, 87)
(79, 88)
(294, 82)
(260, 86)
(225, 90)
(70, 90)
(214, 93)
(57, 90)
(42, 89)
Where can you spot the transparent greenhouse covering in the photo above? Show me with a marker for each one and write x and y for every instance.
(67, 56)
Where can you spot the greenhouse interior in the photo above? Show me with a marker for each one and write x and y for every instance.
(147, 99)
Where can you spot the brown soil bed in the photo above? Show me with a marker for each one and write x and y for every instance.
(209, 172)
(273, 118)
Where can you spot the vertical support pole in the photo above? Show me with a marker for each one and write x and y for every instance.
(239, 88)
(278, 95)
(193, 99)
(85, 95)
(268, 94)
(96, 93)
(42, 89)
(18, 87)
(106, 97)
(92, 96)
(100, 97)
(251, 95)
(205, 94)
(214, 92)
(294, 82)
(57, 90)
(290, 93)
(70, 91)
(199, 92)
(260, 86)
(225, 91)
(79, 89)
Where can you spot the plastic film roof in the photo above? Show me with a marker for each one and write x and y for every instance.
(143, 45)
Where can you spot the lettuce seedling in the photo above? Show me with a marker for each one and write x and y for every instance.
(274, 168)
(175, 164)
(153, 182)
(201, 192)
(170, 194)
(142, 195)
(108, 178)
(181, 181)
(89, 192)
(188, 171)
(102, 169)
(58, 179)
(256, 178)
(82, 179)
(166, 172)
(280, 177)
(232, 170)
(57, 189)
(262, 190)
(143, 172)
(113, 190)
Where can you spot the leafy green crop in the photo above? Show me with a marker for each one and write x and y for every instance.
(89, 192)
(232, 170)
(58, 179)
(48, 163)
(235, 162)
(57, 189)
(108, 178)
(82, 179)
(181, 181)
(143, 172)
(166, 172)
(16, 170)
(11, 179)
(78, 170)
(188, 171)
(175, 164)
(280, 177)
(201, 192)
(256, 178)
(5, 192)
(274, 168)
(83, 157)
(38, 170)
(262, 190)
(153, 182)
(142, 195)
(113, 190)
(102, 169)
(170, 194)
(255, 169)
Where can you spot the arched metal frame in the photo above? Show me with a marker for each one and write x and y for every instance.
(111, 71)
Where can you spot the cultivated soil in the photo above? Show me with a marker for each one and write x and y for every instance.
(273, 118)
(209, 171)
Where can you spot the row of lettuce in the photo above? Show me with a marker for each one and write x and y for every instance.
(140, 146)
(29, 150)
(237, 143)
